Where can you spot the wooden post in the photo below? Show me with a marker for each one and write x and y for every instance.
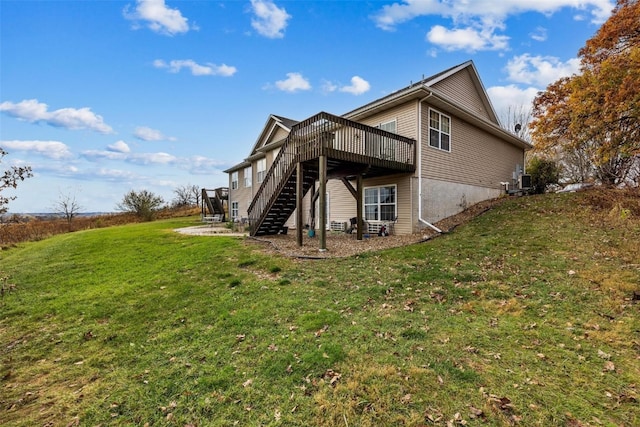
(359, 220)
(299, 191)
(322, 226)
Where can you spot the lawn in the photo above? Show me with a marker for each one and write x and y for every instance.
(527, 315)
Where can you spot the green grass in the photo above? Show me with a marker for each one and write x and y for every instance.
(523, 316)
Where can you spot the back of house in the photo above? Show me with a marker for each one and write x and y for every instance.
(405, 161)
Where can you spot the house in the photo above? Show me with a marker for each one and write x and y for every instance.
(406, 160)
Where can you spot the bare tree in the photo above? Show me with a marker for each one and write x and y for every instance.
(516, 120)
(67, 206)
(186, 195)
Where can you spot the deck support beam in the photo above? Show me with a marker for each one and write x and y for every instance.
(299, 191)
(322, 226)
(359, 191)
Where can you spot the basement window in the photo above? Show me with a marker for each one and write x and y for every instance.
(235, 211)
(380, 203)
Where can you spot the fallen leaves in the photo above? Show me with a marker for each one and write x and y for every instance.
(331, 376)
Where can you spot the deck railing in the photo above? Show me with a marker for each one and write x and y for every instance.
(334, 137)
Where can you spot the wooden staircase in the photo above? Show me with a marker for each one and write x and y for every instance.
(350, 147)
(213, 202)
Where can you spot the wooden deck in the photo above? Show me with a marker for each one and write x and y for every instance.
(348, 150)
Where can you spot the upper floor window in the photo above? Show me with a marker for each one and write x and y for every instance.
(388, 146)
(234, 180)
(388, 126)
(247, 176)
(261, 171)
(380, 203)
(439, 130)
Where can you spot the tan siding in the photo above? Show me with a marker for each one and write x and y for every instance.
(405, 115)
(278, 135)
(476, 158)
(342, 204)
(403, 203)
(243, 196)
(460, 88)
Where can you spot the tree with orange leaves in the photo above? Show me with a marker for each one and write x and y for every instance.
(595, 115)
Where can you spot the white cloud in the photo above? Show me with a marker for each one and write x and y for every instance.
(135, 158)
(540, 34)
(540, 70)
(34, 111)
(358, 86)
(152, 158)
(208, 69)
(104, 154)
(269, 20)
(293, 83)
(505, 97)
(158, 16)
(200, 165)
(147, 134)
(117, 175)
(328, 87)
(475, 22)
(469, 39)
(484, 10)
(119, 147)
(51, 149)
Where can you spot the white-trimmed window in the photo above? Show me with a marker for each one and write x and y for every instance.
(234, 180)
(247, 177)
(382, 146)
(380, 203)
(261, 169)
(388, 146)
(439, 130)
(235, 211)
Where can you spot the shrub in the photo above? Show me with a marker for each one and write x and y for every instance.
(544, 172)
(143, 203)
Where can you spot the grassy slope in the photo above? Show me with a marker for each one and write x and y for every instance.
(522, 316)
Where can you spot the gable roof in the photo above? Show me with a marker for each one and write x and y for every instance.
(425, 89)
(269, 130)
(273, 124)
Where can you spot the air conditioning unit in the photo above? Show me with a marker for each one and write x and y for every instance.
(524, 181)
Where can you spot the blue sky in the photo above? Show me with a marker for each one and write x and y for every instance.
(101, 97)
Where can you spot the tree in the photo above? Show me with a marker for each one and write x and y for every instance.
(10, 179)
(186, 195)
(67, 206)
(595, 115)
(143, 203)
(544, 172)
(516, 120)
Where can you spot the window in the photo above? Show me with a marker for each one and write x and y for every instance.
(439, 131)
(380, 203)
(247, 177)
(382, 146)
(261, 170)
(234, 180)
(235, 211)
(388, 146)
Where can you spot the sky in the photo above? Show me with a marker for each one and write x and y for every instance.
(101, 97)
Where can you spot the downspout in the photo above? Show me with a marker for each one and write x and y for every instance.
(422, 220)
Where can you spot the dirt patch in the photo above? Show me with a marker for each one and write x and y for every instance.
(344, 245)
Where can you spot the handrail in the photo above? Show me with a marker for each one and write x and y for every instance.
(326, 134)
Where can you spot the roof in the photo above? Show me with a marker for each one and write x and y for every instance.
(423, 89)
(271, 126)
